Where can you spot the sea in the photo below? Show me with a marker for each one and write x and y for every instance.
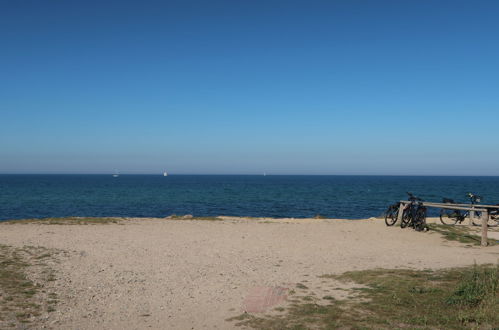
(298, 196)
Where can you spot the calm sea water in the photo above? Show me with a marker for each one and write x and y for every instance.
(352, 197)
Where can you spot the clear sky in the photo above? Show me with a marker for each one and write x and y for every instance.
(246, 87)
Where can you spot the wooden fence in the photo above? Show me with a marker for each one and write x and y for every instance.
(483, 209)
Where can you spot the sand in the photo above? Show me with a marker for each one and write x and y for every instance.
(190, 274)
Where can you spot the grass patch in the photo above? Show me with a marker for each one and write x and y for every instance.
(15, 288)
(21, 298)
(68, 221)
(460, 234)
(460, 298)
(301, 286)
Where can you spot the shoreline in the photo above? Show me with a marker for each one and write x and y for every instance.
(184, 217)
(189, 217)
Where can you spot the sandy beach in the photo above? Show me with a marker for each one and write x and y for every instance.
(194, 274)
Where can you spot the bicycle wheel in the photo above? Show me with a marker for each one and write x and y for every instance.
(493, 219)
(406, 218)
(391, 215)
(449, 217)
(420, 223)
(477, 219)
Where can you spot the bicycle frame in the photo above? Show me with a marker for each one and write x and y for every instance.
(413, 208)
(462, 215)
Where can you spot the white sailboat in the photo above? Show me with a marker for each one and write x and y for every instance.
(165, 173)
(116, 174)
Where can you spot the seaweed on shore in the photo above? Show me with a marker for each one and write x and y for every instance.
(69, 221)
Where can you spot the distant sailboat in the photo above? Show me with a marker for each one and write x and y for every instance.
(116, 174)
(264, 173)
(165, 173)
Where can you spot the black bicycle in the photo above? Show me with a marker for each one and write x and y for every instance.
(391, 214)
(414, 214)
(494, 216)
(452, 217)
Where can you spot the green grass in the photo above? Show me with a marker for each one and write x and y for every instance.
(460, 234)
(16, 289)
(461, 298)
(20, 297)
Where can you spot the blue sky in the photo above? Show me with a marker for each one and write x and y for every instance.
(246, 87)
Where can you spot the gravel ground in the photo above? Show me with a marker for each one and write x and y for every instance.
(193, 274)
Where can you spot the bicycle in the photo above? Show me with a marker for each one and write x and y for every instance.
(452, 217)
(494, 216)
(414, 214)
(391, 214)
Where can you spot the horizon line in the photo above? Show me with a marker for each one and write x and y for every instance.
(250, 174)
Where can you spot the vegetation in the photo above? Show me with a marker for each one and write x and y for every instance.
(99, 220)
(461, 234)
(22, 299)
(190, 217)
(451, 299)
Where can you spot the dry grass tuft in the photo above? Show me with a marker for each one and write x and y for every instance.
(24, 297)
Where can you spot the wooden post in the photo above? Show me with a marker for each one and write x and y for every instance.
(485, 220)
(401, 212)
(472, 215)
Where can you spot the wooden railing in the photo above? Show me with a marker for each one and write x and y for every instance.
(483, 209)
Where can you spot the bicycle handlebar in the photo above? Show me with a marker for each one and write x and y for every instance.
(413, 198)
(474, 198)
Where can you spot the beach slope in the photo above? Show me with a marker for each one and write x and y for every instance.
(195, 274)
